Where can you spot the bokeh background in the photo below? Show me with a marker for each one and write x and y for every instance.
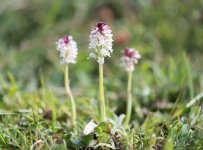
(167, 33)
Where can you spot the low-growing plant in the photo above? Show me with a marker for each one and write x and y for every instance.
(129, 59)
(101, 46)
(68, 53)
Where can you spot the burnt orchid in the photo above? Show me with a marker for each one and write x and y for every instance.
(128, 60)
(100, 44)
(68, 50)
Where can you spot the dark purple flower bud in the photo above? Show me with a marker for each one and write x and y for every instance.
(129, 52)
(66, 39)
(102, 26)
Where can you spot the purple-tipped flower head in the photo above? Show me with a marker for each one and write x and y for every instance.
(130, 58)
(66, 39)
(68, 49)
(102, 26)
(100, 42)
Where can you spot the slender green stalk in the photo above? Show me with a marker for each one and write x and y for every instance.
(129, 98)
(69, 93)
(101, 95)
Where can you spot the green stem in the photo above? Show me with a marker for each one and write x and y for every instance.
(129, 102)
(69, 93)
(101, 95)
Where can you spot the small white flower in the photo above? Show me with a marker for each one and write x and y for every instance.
(130, 58)
(89, 128)
(100, 60)
(92, 55)
(68, 49)
(100, 42)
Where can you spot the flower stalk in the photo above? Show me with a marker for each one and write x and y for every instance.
(128, 60)
(101, 95)
(129, 98)
(70, 95)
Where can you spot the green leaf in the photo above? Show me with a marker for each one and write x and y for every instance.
(59, 147)
(81, 141)
(103, 126)
(168, 144)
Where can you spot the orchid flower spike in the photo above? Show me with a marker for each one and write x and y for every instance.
(130, 58)
(100, 42)
(68, 49)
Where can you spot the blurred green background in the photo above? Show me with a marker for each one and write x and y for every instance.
(167, 33)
